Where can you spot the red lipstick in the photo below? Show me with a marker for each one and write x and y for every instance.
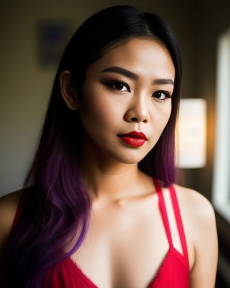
(134, 138)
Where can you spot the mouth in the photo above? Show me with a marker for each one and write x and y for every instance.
(134, 138)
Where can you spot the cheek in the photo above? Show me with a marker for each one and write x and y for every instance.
(98, 113)
(161, 116)
(159, 120)
(166, 117)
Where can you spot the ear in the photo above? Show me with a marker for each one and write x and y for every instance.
(68, 90)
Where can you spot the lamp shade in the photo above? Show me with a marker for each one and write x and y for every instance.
(191, 134)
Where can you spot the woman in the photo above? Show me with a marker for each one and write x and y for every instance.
(102, 210)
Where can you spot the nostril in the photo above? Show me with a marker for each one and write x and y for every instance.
(134, 119)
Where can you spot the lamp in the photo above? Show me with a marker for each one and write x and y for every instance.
(191, 134)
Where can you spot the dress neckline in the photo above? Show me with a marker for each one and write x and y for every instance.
(160, 272)
(172, 251)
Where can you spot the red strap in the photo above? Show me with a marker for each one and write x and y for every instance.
(163, 211)
(179, 223)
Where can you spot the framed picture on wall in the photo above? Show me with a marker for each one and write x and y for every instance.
(53, 36)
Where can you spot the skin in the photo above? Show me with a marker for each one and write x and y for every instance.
(126, 241)
(8, 208)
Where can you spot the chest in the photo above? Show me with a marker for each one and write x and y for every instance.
(123, 247)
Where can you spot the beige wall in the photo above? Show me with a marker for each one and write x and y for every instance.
(25, 87)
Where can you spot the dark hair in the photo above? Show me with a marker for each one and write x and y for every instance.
(58, 204)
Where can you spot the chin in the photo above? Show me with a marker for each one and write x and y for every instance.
(131, 158)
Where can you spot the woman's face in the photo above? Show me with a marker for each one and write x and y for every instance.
(128, 90)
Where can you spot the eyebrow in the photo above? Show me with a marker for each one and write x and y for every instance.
(163, 81)
(134, 76)
(122, 71)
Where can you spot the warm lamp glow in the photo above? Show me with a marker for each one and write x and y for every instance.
(191, 134)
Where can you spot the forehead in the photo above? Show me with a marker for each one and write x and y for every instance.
(141, 56)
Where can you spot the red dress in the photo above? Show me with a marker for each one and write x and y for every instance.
(173, 273)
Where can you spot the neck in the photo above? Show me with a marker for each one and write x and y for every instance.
(109, 179)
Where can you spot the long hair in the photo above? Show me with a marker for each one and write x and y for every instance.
(57, 206)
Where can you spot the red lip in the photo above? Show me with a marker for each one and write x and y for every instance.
(134, 134)
(134, 138)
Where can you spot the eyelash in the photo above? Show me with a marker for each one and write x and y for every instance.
(166, 93)
(112, 84)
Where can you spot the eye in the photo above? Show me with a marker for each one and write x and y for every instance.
(118, 85)
(162, 95)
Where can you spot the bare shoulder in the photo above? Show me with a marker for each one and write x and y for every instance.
(8, 207)
(9, 204)
(194, 205)
(200, 225)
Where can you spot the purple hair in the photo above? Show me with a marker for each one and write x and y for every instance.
(57, 206)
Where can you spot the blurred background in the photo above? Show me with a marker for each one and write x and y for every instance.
(33, 34)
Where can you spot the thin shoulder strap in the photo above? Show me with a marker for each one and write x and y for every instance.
(163, 211)
(179, 222)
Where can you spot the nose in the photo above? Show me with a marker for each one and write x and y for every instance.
(138, 111)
